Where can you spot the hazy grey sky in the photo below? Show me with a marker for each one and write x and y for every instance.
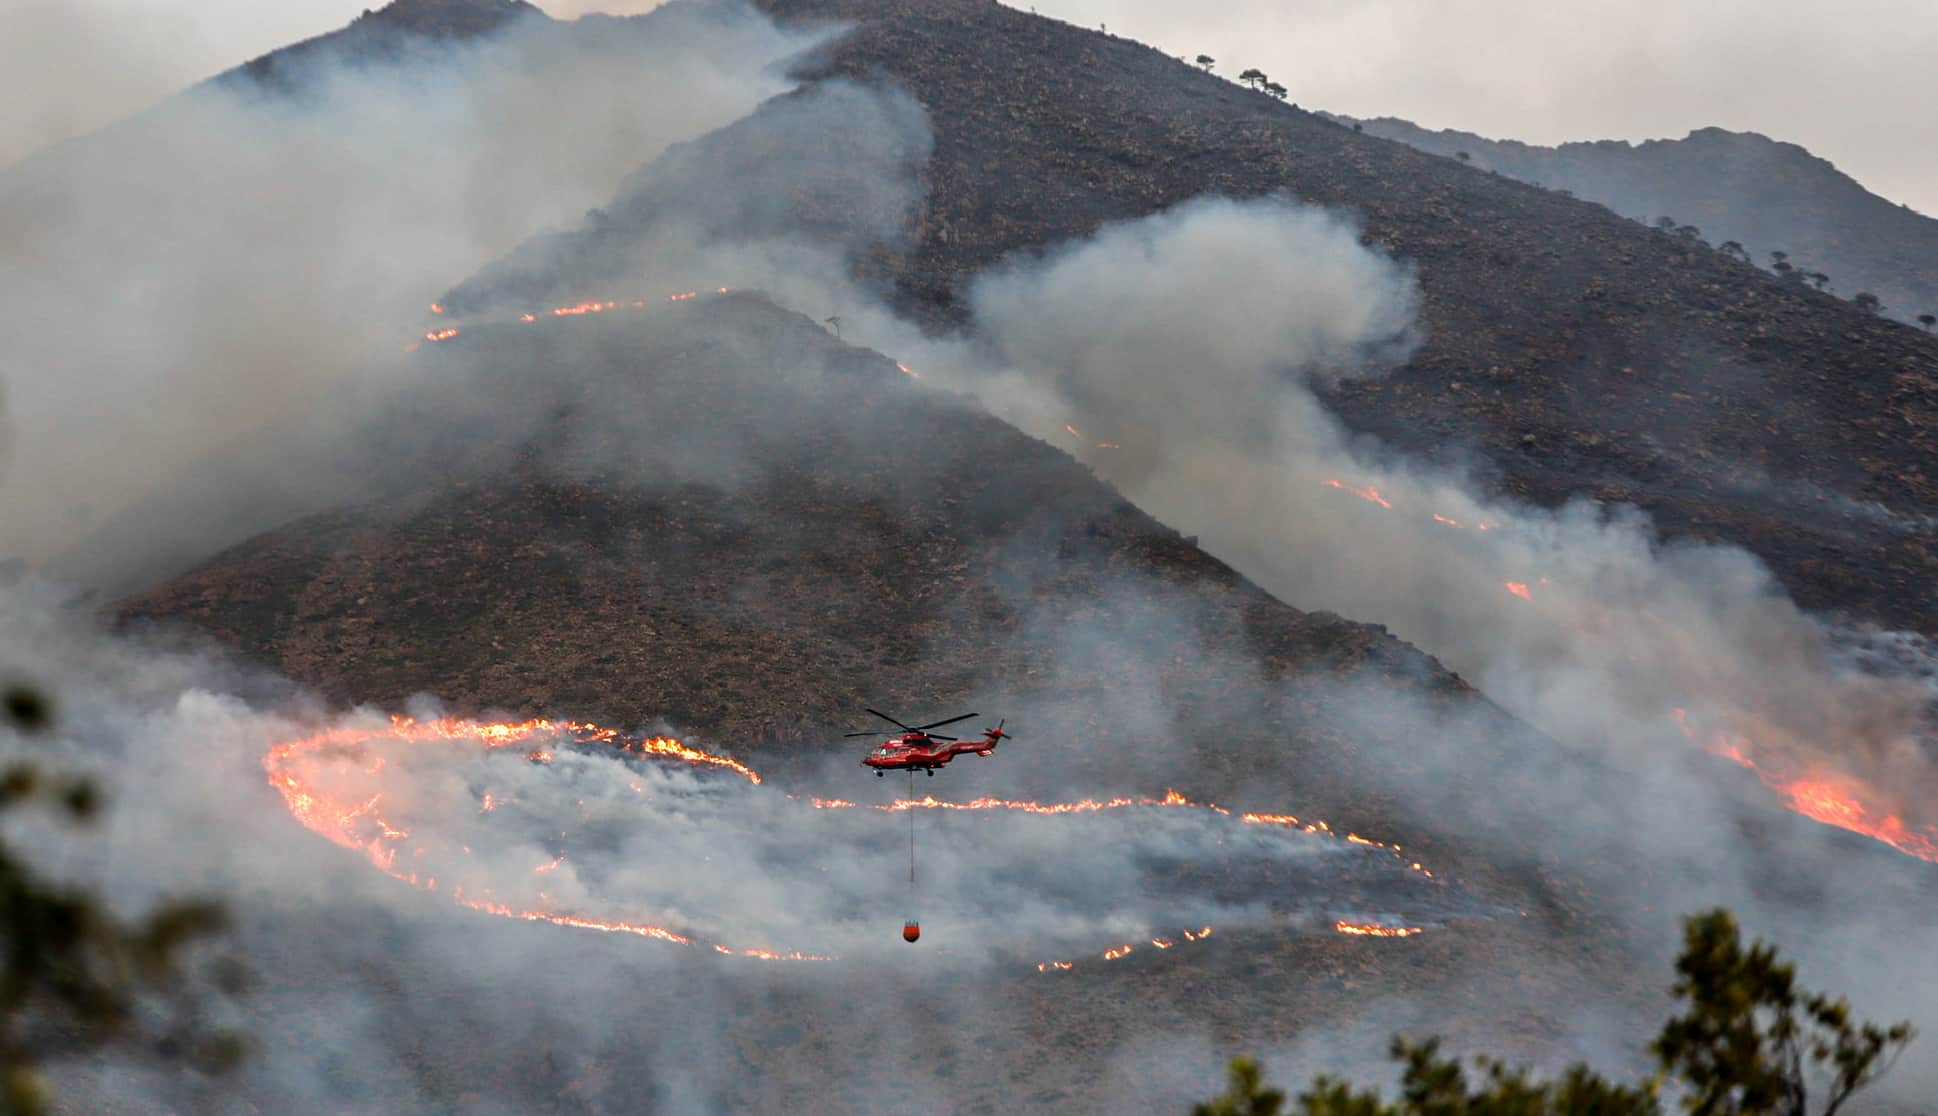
(1855, 82)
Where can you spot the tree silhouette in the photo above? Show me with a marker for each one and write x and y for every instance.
(1748, 1042)
(1276, 90)
(1665, 224)
(1205, 62)
(76, 977)
(1253, 77)
(1734, 250)
(1927, 321)
(1867, 302)
(1819, 280)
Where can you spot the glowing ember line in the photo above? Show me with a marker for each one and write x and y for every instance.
(1171, 800)
(357, 826)
(1369, 493)
(1371, 930)
(580, 309)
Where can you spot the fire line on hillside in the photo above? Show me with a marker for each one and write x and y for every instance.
(360, 823)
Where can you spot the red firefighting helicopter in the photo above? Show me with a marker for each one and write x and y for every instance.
(919, 749)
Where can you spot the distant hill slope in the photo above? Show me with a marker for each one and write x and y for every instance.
(1568, 349)
(1764, 194)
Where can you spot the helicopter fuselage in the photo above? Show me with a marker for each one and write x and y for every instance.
(918, 751)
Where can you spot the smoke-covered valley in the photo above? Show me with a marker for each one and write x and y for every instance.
(252, 271)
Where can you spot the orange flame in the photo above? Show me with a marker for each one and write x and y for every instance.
(441, 334)
(1369, 493)
(1519, 589)
(1171, 799)
(1372, 930)
(1830, 797)
(358, 826)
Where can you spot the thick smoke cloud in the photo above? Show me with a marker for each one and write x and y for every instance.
(349, 956)
(1192, 340)
(1219, 316)
(238, 271)
(68, 67)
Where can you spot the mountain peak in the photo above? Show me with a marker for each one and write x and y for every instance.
(453, 18)
(382, 34)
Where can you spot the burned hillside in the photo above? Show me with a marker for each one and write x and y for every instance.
(1568, 353)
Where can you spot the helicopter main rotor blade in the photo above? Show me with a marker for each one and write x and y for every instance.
(891, 720)
(870, 732)
(939, 736)
(939, 724)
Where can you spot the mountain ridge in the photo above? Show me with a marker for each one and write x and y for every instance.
(1764, 194)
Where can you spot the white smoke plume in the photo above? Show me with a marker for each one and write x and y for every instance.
(347, 954)
(1188, 343)
(209, 296)
(1178, 355)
